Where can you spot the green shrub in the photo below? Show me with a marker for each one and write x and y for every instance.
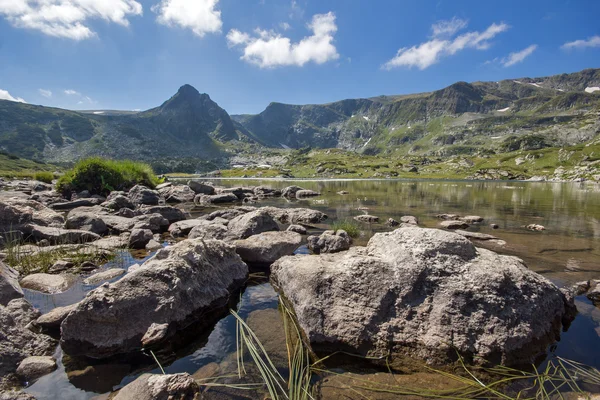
(101, 176)
(43, 176)
(350, 226)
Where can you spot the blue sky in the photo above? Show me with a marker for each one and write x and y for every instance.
(135, 54)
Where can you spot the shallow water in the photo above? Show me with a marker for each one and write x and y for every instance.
(566, 252)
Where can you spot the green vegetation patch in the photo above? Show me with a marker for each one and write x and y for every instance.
(350, 226)
(101, 176)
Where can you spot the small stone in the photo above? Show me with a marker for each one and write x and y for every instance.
(88, 266)
(298, 229)
(494, 226)
(342, 192)
(392, 222)
(371, 219)
(60, 266)
(104, 276)
(453, 224)
(581, 287)
(155, 334)
(329, 242)
(153, 245)
(45, 283)
(409, 219)
(536, 227)
(306, 193)
(51, 321)
(471, 219)
(33, 368)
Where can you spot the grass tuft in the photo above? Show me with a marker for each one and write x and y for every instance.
(101, 176)
(350, 226)
(43, 176)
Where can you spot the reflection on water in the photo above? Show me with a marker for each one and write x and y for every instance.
(568, 251)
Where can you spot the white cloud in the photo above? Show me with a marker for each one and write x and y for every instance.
(448, 28)
(67, 18)
(4, 95)
(285, 26)
(593, 41)
(268, 49)
(200, 16)
(71, 92)
(45, 93)
(518, 56)
(443, 44)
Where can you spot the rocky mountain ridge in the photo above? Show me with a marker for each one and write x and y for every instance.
(190, 128)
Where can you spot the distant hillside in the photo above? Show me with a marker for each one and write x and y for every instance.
(462, 118)
(188, 125)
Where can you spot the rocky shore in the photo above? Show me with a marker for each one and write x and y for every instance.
(410, 293)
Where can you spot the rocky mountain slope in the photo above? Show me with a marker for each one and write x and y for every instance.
(459, 119)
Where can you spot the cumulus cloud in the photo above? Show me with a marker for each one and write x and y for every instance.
(71, 92)
(4, 95)
(518, 56)
(67, 18)
(201, 16)
(45, 93)
(268, 49)
(593, 41)
(444, 43)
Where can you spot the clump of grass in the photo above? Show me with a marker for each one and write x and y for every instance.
(28, 260)
(101, 176)
(351, 227)
(43, 176)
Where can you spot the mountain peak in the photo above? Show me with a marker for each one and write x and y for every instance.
(188, 90)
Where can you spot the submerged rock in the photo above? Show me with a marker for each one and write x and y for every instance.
(306, 193)
(179, 286)
(267, 247)
(290, 191)
(160, 387)
(329, 242)
(424, 293)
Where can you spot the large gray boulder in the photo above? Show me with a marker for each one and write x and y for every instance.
(329, 242)
(160, 387)
(172, 214)
(290, 191)
(201, 188)
(16, 214)
(9, 284)
(423, 293)
(139, 238)
(18, 342)
(61, 236)
(205, 199)
(252, 223)
(208, 230)
(267, 247)
(178, 194)
(117, 202)
(50, 322)
(183, 228)
(296, 215)
(141, 195)
(180, 285)
(88, 219)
